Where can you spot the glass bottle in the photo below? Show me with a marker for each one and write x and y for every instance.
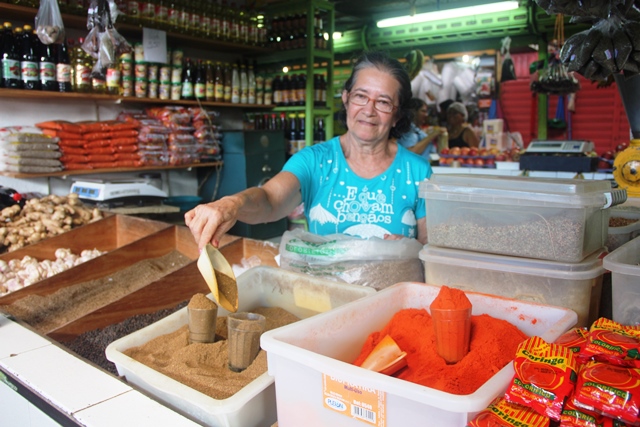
(268, 91)
(114, 79)
(216, 20)
(47, 66)
(292, 91)
(228, 77)
(210, 82)
(63, 68)
(251, 78)
(301, 88)
(81, 69)
(162, 14)
(205, 18)
(259, 86)
(286, 90)
(184, 16)
(195, 16)
(173, 16)
(243, 26)
(29, 70)
(301, 131)
(235, 84)
(218, 83)
(234, 23)
(133, 11)
(276, 89)
(187, 81)
(244, 84)
(11, 75)
(319, 135)
(200, 84)
(225, 21)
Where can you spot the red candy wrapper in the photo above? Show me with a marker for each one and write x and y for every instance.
(502, 413)
(614, 343)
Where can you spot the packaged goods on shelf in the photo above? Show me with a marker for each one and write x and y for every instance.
(28, 150)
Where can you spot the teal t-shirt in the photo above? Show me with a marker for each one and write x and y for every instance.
(336, 200)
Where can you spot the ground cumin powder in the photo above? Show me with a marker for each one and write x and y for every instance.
(204, 367)
(201, 302)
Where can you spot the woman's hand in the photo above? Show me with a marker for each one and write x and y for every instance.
(209, 222)
(394, 237)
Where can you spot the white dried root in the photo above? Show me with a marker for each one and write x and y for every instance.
(19, 273)
(42, 218)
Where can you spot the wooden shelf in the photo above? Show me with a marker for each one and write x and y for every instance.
(80, 96)
(12, 11)
(109, 170)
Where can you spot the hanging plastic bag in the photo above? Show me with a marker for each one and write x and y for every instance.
(48, 22)
(508, 69)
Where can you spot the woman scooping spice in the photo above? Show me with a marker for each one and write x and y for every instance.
(493, 344)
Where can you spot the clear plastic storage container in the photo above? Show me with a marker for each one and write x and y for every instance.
(577, 286)
(311, 361)
(620, 235)
(624, 264)
(255, 404)
(554, 219)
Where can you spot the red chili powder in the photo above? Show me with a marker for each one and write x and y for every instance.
(493, 345)
(450, 298)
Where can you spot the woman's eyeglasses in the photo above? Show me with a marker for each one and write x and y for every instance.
(382, 105)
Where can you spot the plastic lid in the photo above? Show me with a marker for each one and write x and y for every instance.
(559, 191)
(589, 268)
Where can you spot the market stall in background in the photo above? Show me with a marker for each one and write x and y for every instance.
(118, 117)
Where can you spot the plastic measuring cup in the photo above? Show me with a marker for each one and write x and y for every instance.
(244, 330)
(451, 315)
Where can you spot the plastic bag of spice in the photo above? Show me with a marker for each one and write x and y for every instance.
(371, 262)
(503, 413)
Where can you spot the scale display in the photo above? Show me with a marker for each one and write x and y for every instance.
(560, 147)
(99, 191)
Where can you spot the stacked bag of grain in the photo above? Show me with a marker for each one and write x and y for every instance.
(152, 137)
(95, 145)
(27, 150)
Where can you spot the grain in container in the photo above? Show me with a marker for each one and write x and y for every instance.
(577, 286)
(555, 219)
(311, 361)
(626, 226)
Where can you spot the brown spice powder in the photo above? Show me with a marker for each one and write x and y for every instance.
(201, 302)
(204, 367)
(50, 312)
(227, 287)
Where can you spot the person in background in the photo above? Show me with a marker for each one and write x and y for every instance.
(460, 133)
(417, 140)
(361, 183)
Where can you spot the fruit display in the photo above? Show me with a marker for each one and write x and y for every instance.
(607, 157)
(477, 157)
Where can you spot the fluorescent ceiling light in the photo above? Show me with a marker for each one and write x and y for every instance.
(448, 14)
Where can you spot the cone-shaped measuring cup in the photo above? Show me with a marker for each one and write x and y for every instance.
(451, 315)
(203, 314)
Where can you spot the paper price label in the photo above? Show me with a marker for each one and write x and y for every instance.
(354, 401)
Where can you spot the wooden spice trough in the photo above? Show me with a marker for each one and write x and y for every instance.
(245, 248)
(164, 293)
(107, 234)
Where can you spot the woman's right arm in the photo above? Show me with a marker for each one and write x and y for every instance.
(271, 202)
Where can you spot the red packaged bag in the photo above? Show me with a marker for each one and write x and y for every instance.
(127, 156)
(101, 150)
(545, 376)
(92, 136)
(612, 342)
(97, 144)
(610, 390)
(73, 150)
(125, 148)
(124, 141)
(74, 158)
(502, 413)
(72, 143)
(575, 340)
(96, 158)
(77, 166)
(104, 165)
(60, 125)
(124, 134)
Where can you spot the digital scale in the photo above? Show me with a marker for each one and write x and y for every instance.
(559, 156)
(118, 192)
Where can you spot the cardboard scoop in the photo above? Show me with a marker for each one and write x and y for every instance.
(214, 266)
(386, 357)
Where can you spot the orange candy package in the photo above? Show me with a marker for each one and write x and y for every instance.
(575, 416)
(545, 377)
(575, 340)
(502, 413)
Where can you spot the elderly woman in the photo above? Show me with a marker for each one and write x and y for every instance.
(460, 133)
(361, 183)
(417, 140)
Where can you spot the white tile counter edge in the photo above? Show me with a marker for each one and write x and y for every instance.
(77, 388)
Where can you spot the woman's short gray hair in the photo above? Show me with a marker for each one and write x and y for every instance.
(460, 108)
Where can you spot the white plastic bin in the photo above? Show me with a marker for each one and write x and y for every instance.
(255, 404)
(306, 356)
(624, 264)
(542, 218)
(577, 286)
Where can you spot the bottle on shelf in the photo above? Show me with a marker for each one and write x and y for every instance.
(195, 16)
(47, 66)
(292, 89)
(286, 90)
(301, 131)
(244, 84)
(63, 68)
(319, 135)
(243, 25)
(216, 20)
(82, 69)
(234, 24)
(228, 82)
(200, 82)
(218, 83)
(276, 90)
(11, 75)
(187, 81)
(173, 16)
(301, 89)
(268, 91)
(162, 14)
(251, 78)
(133, 12)
(29, 70)
(291, 135)
(235, 84)
(259, 80)
(184, 16)
(205, 18)
(114, 79)
(225, 22)
(210, 81)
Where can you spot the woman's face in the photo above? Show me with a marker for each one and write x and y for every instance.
(365, 122)
(422, 115)
(455, 117)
